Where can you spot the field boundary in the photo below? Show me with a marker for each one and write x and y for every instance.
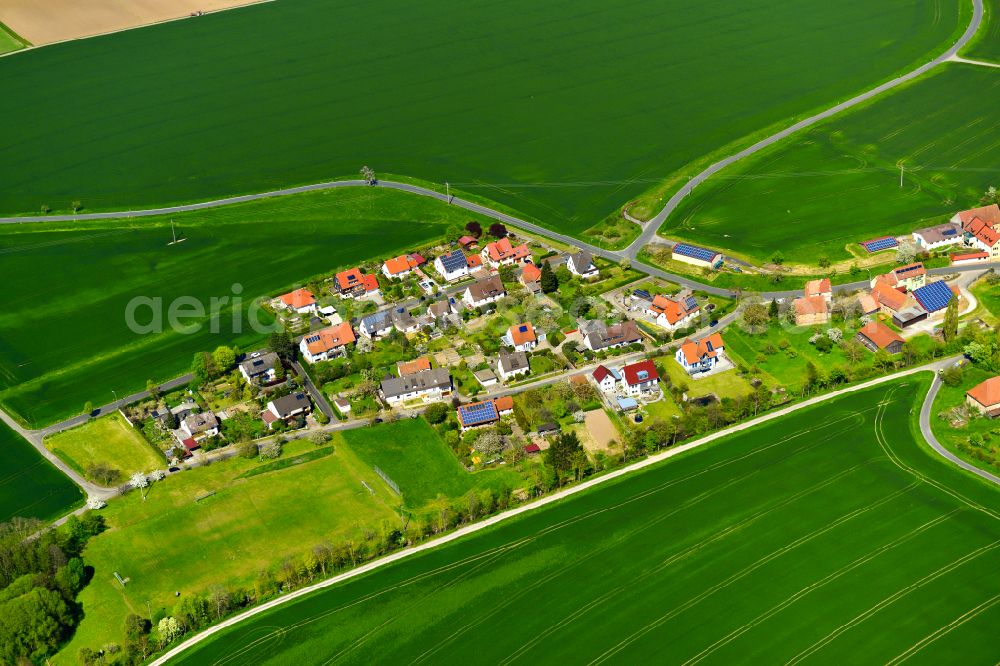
(555, 497)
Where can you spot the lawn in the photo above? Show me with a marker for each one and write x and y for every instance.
(837, 184)
(723, 384)
(816, 535)
(30, 486)
(988, 296)
(108, 441)
(986, 44)
(956, 436)
(174, 541)
(415, 458)
(64, 338)
(538, 106)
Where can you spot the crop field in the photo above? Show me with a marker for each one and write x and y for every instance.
(30, 487)
(821, 535)
(108, 441)
(986, 44)
(838, 183)
(63, 333)
(8, 40)
(423, 467)
(562, 111)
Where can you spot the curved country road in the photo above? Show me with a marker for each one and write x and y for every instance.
(654, 224)
(163, 659)
(925, 430)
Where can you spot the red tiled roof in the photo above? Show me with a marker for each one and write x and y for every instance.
(411, 367)
(300, 298)
(670, 309)
(909, 271)
(818, 287)
(600, 373)
(416, 259)
(970, 255)
(467, 240)
(190, 444)
(504, 403)
(986, 394)
(530, 273)
(370, 282)
(809, 305)
(694, 351)
(522, 333)
(880, 334)
(532, 448)
(887, 296)
(501, 250)
(399, 264)
(988, 215)
(868, 304)
(474, 261)
(330, 338)
(632, 372)
(349, 279)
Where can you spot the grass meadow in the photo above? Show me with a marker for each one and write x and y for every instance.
(986, 44)
(63, 333)
(412, 454)
(30, 487)
(822, 535)
(109, 441)
(561, 111)
(838, 183)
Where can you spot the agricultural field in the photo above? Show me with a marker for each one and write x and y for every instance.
(107, 442)
(64, 339)
(986, 44)
(540, 107)
(31, 487)
(837, 184)
(412, 454)
(814, 536)
(9, 41)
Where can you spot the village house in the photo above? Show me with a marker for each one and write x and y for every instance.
(597, 336)
(673, 314)
(938, 236)
(467, 242)
(985, 397)
(452, 266)
(343, 405)
(811, 310)
(504, 405)
(935, 296)
(474, 262)
(889, 299)
(522, 337)
(607, 378)
(512, 364)
(700, 356)
(531, 278)
(641, 379)
(327, 343)
(877, 336)
(301, 301)
(259, 368)
(404, 368)
(426, 385)
(484, 291)
(909, 277)
(502, 253)
(820, 288)
(352, 283)
(485, 377)
(696, 256)
(867, 304)
(383, 322)
(582, 265)
(205, 424)
(285, 408)
(477, 414)
(966, 258)
(401, 266)
(979, 227)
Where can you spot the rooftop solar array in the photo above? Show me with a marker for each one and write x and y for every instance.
(876, 244)
(695, 252)
(479, 412)
(909, 269)
(454, 260)
(642, 293)
(950, 232)
(690, 303)
(934, 296)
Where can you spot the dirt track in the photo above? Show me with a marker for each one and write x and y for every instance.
(60, 20)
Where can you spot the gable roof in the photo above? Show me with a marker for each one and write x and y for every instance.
(466, 241)
(350, 278)
(868, 304)
(582, 260)
(369, 282)
(401, 264)
(300, 298)
(329, 338)
(258, 365)
(412, 367)
(477, 413)
(601, 336)
(938, 233)
(962, 256)
(522, 333)
(489, 287)
(284, 406)
(511, 361)
(695, 351)
(886, 295)
(502, 250)
(818, 287)
(880, 335)
(474, 261)
(600, 372)
(530, 273)
(673, 310)
(934, 296)
(988, 215)
(453, 261)
(987, 393)
(909, 271)
(425, 380)
(810, 305)
(641, 372)
(504, 403)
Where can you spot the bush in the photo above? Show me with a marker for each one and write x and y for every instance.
(952, 376)
(436, 413)
(321, 417)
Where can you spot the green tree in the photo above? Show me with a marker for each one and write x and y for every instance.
(560, 454)
(436, 413)
(224, 357)
(755, 316)
(88, 408)
(772, 309)
(549, 281)
(949, 329)
(281, 343)
(812, 375)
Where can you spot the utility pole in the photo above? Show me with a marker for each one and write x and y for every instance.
(901, 168)
(447, 192)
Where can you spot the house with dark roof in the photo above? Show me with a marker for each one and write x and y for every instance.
(641, 379)
(697, 356)
(582, 265)
(426, 385)
(877, 336)
(985, 397)
(376, 324)
(259, 367)
(597, 336)
(205, 424)
(512, 364)
(477, 414)
(938, 236)
(452, 266)
(285, 408)
(484, 291)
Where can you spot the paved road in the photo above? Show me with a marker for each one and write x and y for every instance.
(650, 229)
(925, 430)
(316, 394)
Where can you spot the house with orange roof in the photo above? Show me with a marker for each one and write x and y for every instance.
(529, 274)
(404, 368)
(673, 314)
(697, 356)
(877, 336)
(890, 300)
(522, 337)
(819, 288)
(502, 253)
(985, 397)
(468, 242)
(966, 258)
(980, 227)
(988, 215)
(327, 343)
(353, 283)
(474, 262)
(301, 301)
(504, 405)
(401, 266)
(811, 310)
(868, 304)
(909, 277)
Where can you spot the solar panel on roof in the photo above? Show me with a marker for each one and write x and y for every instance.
(523, 328)
(690, 303)
(641, 293)
(949, 232)
(453, 260)
(694, 252)
(934, 296)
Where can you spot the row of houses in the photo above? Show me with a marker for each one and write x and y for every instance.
(974, 228)
(633, 379)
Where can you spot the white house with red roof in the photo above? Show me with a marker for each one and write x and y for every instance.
(522, 337)
(327, 343)
(641, 378)
(401, 266)
(979, 225)
(301, 301)
(502, 253)
(670, 314)
(819, 288)
(606, 378)
(697, 356)
(353, 283)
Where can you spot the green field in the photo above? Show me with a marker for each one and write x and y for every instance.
(838, 183)
(63, 333)
(824, 534)
(30, 486)
(174, 541)
(9, 41)
(986, 44)
(563, 111)
(414, 457)
(108, 441)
